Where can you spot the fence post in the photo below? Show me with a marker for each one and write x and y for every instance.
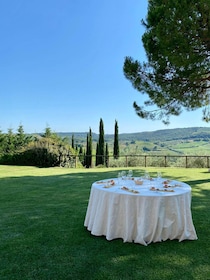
(186, 162)
(165, 162)
(145, 161)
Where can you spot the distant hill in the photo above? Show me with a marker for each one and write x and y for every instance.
(178, 141)
(190, 133)
(171, 134)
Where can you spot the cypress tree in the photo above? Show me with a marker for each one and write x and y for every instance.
(97, 154)
(101, 143)
(88, 160)
(72, 141)
(116, 150)
(81, 155)
(107, 156)
(86, 163)
(90, 148)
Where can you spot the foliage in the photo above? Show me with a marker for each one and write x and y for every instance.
(10, 142)
(44, 151)
(177, 44)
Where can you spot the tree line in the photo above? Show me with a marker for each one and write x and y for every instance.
(49, 149)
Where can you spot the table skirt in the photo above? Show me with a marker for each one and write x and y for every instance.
(140, 219)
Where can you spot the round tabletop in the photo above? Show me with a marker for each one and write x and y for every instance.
(143, 187)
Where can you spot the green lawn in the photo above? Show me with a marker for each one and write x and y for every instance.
(42, 233)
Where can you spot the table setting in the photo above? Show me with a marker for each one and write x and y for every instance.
(140, 209)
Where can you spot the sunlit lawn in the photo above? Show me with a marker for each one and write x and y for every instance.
(42, 233)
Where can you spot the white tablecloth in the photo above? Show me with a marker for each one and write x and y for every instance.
(139, 214)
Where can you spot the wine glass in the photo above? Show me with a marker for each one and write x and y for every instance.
(159, 175)
(123, 175)
(146, 175)
(119, 176)
(130, 173)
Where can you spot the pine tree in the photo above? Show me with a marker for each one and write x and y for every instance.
(2, 142)
(20, 137)
(10, 142)
(116, 150)
(176, 74)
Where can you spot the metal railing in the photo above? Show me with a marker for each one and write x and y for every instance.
(186, 161)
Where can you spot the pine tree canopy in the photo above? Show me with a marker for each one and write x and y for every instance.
(176, 75)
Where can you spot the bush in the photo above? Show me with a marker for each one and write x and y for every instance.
(42, 153)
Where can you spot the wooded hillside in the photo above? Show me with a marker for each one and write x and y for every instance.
(189, 133)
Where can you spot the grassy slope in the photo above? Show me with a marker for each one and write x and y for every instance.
(42, 234)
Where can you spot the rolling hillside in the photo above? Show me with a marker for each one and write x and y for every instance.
(187, 141)
(190, 133)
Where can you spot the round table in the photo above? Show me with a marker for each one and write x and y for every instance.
(154, 211)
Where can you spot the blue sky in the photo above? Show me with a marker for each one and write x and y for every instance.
(61, 65)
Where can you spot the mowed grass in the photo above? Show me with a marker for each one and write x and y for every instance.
(42, 233)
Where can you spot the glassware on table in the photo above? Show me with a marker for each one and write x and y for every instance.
(146, 175)
(119, 176)
(123, 175)
(159, 175)
(130, 173)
